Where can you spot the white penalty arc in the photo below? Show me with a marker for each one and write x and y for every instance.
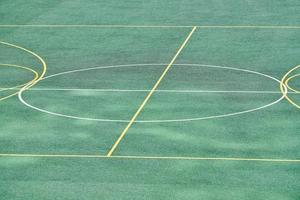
(20, 96)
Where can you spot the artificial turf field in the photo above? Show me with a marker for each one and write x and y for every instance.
(150, 99)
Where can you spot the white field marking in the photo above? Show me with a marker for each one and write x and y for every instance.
(144, 26)
(152, 157)
(159, 91)
(102, 67)
(158, 121)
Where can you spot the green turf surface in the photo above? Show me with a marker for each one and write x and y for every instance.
(32, 178)
(176, 12)
(119, 66)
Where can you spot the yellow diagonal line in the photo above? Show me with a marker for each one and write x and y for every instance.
(150, 94)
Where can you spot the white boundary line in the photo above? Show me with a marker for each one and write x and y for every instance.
(156, 121)
(145, 26)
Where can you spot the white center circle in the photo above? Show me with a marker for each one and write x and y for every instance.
(155, 120)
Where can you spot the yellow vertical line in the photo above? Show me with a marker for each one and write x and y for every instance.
(113, 148)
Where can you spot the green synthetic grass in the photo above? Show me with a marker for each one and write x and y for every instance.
(271, 133)
(175, 12)
(32, 178)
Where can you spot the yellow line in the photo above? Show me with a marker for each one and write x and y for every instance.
(282, 84)
(21, 67)
(208, 158)
(252, 27)
(150, 94)
(52, 155)
(14, 87)
(44, 65)
(152, 157)
(141, 26)
(287, 83)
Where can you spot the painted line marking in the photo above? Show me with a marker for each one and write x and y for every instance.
(145, 26)
(162, 91)
(35, 81)
(152, 157)
(287, 83)
(156, 121)
(251, 27)
(88, 26)
(18, 87)
(150, 94)
(283, 86)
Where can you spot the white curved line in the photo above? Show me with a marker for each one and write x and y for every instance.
(101, 67)
(157, 121)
